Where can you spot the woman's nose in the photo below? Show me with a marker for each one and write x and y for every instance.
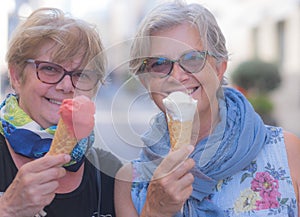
(65, 84)
(178, 73)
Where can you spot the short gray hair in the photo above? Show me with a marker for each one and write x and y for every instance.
(170, 14)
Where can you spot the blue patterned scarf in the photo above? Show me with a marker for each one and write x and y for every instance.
(29, 139)
(234, 143)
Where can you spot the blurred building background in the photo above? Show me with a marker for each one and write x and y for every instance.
(264, 29)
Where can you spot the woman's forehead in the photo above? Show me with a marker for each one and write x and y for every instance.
(48, 51)
(175, 41)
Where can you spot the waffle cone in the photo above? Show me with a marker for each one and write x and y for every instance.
(63, 142)
(180, 132)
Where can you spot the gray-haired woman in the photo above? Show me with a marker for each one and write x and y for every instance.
(238, 166)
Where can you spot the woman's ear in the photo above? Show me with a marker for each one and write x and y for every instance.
(221, 69)
(15, 78)
(143, 79)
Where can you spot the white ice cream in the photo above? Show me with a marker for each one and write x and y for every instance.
(180, 106)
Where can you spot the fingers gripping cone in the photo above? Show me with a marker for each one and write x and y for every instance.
(180, 110)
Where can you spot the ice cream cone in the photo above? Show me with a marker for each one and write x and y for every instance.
(76, 122)
(180, 132)
(180, 111)
(63, 141)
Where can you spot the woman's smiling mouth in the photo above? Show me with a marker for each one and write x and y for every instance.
(54, 101)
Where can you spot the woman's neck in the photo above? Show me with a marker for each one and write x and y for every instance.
(205, 123)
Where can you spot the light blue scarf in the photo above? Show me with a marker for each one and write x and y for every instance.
(234, 143)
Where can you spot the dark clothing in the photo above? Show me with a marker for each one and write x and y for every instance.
(83, 201)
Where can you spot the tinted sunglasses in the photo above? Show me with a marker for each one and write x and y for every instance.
(192, 62)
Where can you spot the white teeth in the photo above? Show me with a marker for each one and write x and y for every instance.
(190, 91)
(55, 102)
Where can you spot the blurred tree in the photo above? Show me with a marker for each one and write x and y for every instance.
(258, 78)
(256, 75)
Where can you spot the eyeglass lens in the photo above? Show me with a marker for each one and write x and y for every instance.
(192, 62)
(52, 73)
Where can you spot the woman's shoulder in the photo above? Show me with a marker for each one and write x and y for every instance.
(292, 143)
(291, 138)
(108, 162)
(125, 173)
(2, 139)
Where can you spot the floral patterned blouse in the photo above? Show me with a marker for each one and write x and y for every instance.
(264, 188)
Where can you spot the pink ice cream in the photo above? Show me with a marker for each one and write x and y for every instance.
(78, 116)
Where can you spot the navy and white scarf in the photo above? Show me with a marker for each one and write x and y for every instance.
(29, 139)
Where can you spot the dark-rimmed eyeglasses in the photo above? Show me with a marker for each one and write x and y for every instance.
(191, 61)
(51, 73)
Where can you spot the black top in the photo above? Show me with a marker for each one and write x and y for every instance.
(83, 201)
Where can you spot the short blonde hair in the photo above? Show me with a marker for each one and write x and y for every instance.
(71, 37)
